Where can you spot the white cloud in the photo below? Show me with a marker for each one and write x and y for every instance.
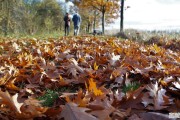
(61, 1)
(70, 3)
(151, 14)
(168, 1)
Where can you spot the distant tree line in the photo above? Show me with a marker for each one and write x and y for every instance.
(30, 16)
(46, 16)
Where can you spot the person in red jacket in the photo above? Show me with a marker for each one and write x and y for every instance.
(67, 21)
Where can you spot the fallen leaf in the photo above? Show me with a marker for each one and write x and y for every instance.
(103, 114)
(154, 116)
(93, 88)
(113, 59)
(10, 101)
(71, 111)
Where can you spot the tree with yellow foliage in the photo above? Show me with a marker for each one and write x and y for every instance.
(108, 8)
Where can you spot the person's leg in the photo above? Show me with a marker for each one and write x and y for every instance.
(65, 30)
(68, 29)
(75, 30)
(78, 27)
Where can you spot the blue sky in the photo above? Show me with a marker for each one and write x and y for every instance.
(151, 14)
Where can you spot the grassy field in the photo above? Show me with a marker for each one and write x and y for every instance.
(143, 35)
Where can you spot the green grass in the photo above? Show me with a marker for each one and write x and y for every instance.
(49, 98)
(43, 35)
(131, 87)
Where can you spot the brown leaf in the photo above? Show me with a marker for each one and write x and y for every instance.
(81, 100)
(10, 101)
(53, 111)
(5, 79)
(31, 109)
(121, 114)
(11, 86)
(160, 100)
(72, 112)
(134, 117)
(113, 59)
(105, 113)
(154, 116)
(133, 99)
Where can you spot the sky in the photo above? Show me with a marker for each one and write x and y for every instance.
(63, 1)
(151, 15)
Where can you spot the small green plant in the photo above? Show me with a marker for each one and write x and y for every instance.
(48, 98)
(131, 87)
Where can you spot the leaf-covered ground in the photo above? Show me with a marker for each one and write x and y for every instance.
(88, 78)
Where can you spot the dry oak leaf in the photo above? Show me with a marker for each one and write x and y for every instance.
(176, 84)
(81, 100)
(154, 116)
(10, 101)
(31, 109)
(5, 79)
(113, 59)
(71, 111)
(62, 82)
(75, 63)
(73, 68)
(134, 117)
(93, 88)
(95, 66)
(24, 60)
(132, 99)
(16, 47)
(11, 86)
(159, 98)
(121, 114)
(53, 111)
(105, 111)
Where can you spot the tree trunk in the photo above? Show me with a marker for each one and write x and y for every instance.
(88, 27)
(122, 17)
(6, 22)
(94, 23)
(103, 20)
(5, 27)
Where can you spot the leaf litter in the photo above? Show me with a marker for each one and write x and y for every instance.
(88, 77)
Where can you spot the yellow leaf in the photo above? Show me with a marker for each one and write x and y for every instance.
(4, 79)
(80, 99)
(156, 48)
(68, 99)
(11, 86)
(62, 82)
(81, 60)
(96, 66)
(163, 83)
(93, 88)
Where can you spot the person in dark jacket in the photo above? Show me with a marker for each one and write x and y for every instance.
(77, 21)
(67, 21)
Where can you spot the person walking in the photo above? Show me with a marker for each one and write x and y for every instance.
(77, 21)
(67, 20)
